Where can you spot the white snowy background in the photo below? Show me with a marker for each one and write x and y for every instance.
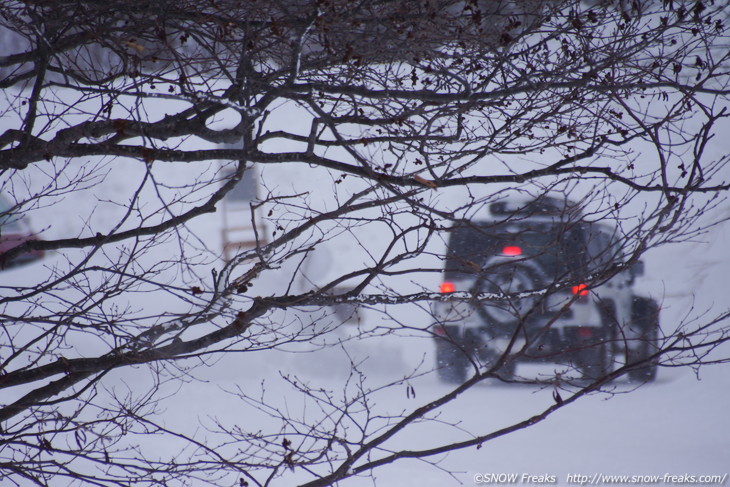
(678, 425)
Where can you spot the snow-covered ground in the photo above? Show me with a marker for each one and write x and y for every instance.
(678, 425)
(675, 426)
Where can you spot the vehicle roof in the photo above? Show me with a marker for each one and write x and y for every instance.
(543, 207)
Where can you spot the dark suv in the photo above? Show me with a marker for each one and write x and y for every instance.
(537, 282)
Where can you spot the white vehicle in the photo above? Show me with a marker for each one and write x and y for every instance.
(536, 282)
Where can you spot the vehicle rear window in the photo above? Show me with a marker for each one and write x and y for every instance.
(558, 249)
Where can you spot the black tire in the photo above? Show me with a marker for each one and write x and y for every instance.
(451, 363)
(645, 318)
(595, 361)
(489, 358)
(508, 279)
(508, 371)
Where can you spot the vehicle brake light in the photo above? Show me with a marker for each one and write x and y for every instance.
(439, 330)
(585, 332)
(447, 287)
(511, 250)
(580, 290)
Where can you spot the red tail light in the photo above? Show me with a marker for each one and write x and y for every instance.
(439, 330)
(585, 332)
(512, 250)
(580, 290)
(447, 287)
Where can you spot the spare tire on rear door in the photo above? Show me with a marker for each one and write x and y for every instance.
(511, 292)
